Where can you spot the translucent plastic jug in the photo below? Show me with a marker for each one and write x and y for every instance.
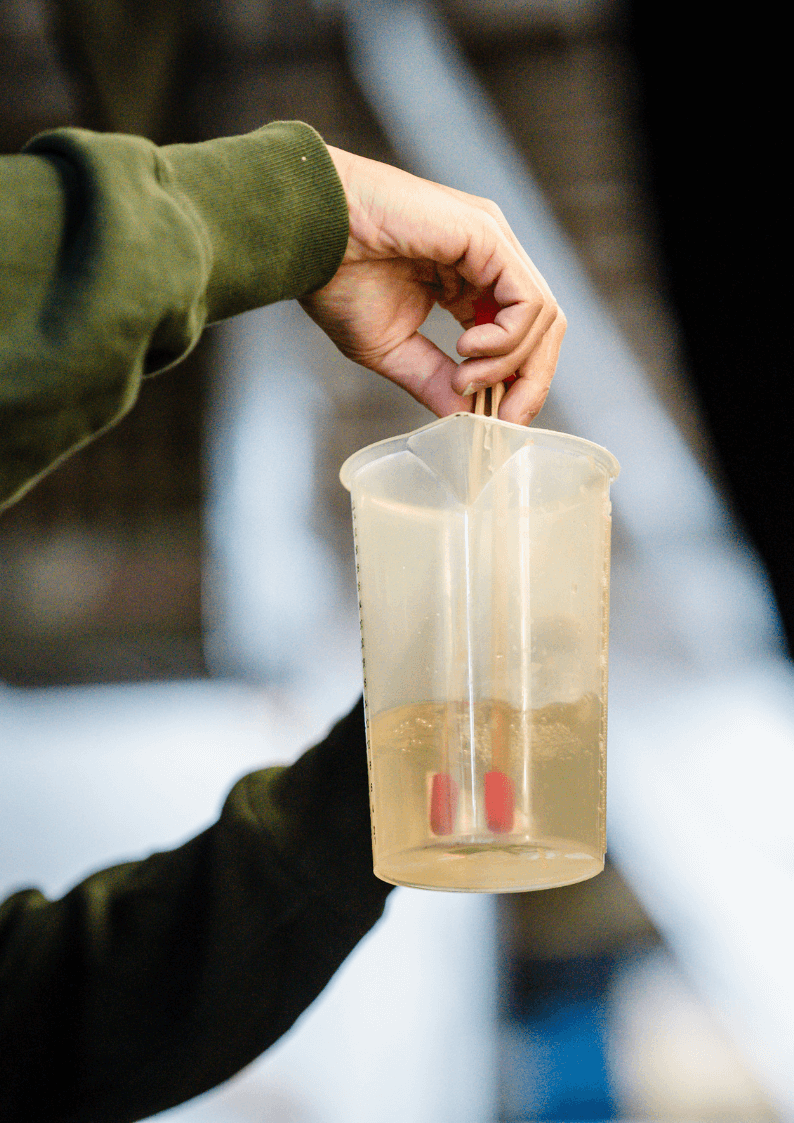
(482, 553)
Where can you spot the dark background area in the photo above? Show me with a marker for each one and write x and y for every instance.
(711, 97)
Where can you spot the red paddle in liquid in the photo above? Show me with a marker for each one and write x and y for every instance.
(443, 803)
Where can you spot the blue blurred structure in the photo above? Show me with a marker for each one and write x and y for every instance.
(554, 1043)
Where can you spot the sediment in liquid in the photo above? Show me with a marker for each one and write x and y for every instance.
(554, 759)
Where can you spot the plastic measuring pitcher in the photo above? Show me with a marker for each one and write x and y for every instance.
(482, 553)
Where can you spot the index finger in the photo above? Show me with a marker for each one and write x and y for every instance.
(524, 399)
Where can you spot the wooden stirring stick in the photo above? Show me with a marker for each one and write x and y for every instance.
(499, 794)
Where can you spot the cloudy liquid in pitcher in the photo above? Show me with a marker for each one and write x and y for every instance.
(552, 761)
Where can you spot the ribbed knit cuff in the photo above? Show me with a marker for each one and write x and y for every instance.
(275, 209)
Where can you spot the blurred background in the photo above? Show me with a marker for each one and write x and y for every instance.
(177, 602)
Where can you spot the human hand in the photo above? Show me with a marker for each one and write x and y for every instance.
(414, 244)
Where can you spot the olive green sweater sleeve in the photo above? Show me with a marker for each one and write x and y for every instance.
(153, 981)
(115, 253)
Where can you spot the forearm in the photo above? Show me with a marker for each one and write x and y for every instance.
(114, 254)
(156, 980)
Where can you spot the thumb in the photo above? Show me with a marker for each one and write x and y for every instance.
(422, 368)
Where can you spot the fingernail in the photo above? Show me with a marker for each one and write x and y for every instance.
(470, 389)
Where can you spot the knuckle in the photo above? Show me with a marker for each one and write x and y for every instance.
(492, 215)
(553, 317)
(488, 205)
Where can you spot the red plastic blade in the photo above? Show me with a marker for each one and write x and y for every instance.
(499, 802)
(485, 309)
(443, 803)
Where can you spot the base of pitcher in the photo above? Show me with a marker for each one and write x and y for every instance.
(488, 867)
